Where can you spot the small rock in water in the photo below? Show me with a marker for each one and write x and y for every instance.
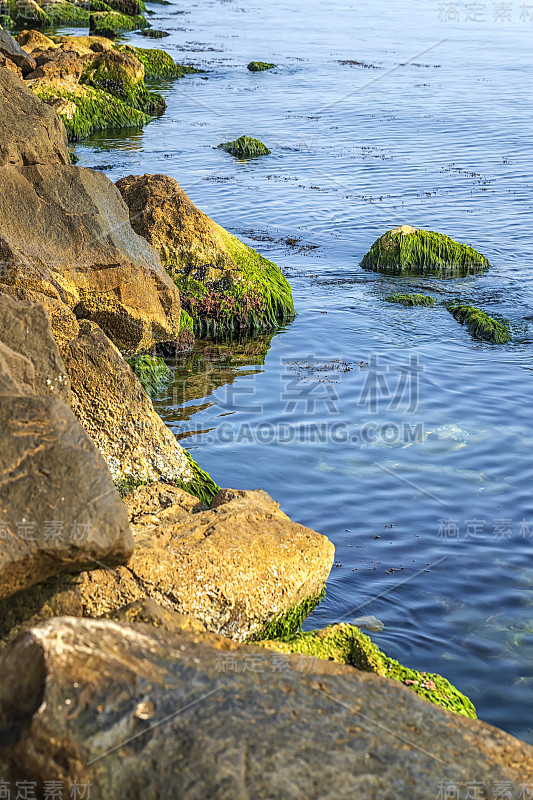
(370, 623)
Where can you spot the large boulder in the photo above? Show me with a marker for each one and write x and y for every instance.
(224, 284)
(30, 131)
(56, 67)
(31, 40)
(59, 510)
(66, 233)
(11, 49)
(241, 568)
(25, 327)
(139, 712)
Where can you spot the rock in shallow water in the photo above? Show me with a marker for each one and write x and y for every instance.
(142, 713)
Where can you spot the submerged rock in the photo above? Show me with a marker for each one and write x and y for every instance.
(111, 20)
(411, 299)
(345, 644)
(140, 712)
(245, 147)
(412, 251)
(30, 132)
(66, 233)
(479, 324)
(260, 66)
(224, 285)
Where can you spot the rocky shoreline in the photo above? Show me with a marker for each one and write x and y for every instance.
(149, 620)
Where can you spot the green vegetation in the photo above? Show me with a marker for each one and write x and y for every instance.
(113, 78)
(68, 14)
(410, 299)
(157, 63)
(286, 624)
(410, 251)
(152, 372)
(111, 20)
(95, 110)
(259, 298)
(202, 485)
(245, 147)
(479, 324)
(6, 22)
(346, 644)
(260, 66)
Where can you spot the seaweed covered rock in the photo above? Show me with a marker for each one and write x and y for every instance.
(66, 233)
(30, 131)
(411, 299)
(63, 13)
(260, 66)
(134, 710)
(224, 285)
(411, 251)
(479, 324)
(59, 510)
(245, 147)
(345, 644)
(111, 20)
(122, 75)
(158, 63)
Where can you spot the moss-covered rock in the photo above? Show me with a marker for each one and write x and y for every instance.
(85, 109)
(6, 22)
(411, 299)
(345, 644)
(260, 66)
(411, 251)
(479, 324)
(28, 12)
(157, 63)
(225, 286)
(68, 14)
(286, 625)
(111, 20)
(153, 34)
(122, 75)
(245, 147)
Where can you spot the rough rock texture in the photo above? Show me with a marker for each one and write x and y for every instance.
(116, 412)
(10, 48)
(65, 232)
(55, 67)
(25, 327)
(59, 511)
(6, 63)
(30, 131)
(224, 284)
(235, 567)
(31, 40)
(142, 713)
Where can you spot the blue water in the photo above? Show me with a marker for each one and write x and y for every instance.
(419, 465)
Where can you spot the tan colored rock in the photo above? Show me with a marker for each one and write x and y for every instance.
(116, 412)
(25, 327)
(59, 510)
(85, 41)
(30, 131)
(114, 66)
(6, 63)
(31, 40)
(65, 233)
(141, 712)
(56, 67)
(234, 567)
(10, 48)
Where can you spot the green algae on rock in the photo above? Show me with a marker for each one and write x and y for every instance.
(116, 22)
(346, 644)
(152, 372)
(411, 251)
(410, 299)
(121, 74)
(225, 286)
(260, 66)
(284, 625)
(245, 147)
(158, 63)
(479, 324)
(85, 109)
(68, 14)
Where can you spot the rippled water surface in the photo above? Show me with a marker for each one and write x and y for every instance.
(419, 466)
